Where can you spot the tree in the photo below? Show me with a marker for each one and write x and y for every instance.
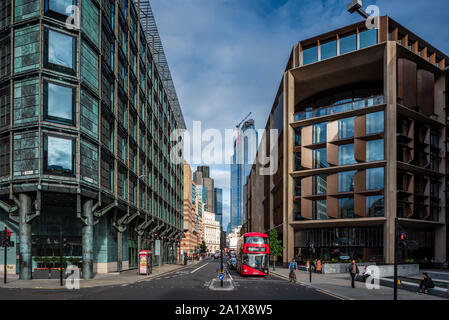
(203, 247)
(276, 249)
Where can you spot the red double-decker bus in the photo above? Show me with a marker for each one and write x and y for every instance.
(252, 254)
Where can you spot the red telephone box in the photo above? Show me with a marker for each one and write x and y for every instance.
(145, 262)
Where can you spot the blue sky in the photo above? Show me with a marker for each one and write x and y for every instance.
(227, 56)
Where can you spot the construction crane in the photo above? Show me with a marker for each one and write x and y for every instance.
(238, 126)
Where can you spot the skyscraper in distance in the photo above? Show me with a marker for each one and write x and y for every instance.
(245, 147)
(218, 199)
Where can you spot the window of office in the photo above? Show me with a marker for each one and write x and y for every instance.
(319, 184)
(111, 177)
(310, 55)
(375, 206)
(375, 122)
(348, 43)
(124, 186)
(124, 150)
(59, 103)
(346, 128)
(111, 137)
(298, 137)
(319, 158)
(319, 133)
(346, 208)
(60, 51)
(319, 210)
(125, 41)
(346, 181)
(111, 56)
(297, 187)
(375, 178)
(59, 155)
(375, 150)
(328, 49)
(346, 154)
(112, 16)
(368, 38)
(111, 92)
(59, 6)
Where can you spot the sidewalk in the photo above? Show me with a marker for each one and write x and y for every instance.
(340, 285)
(100, 280)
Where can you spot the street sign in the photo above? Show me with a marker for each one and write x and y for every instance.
(157, 248)
(221, 276)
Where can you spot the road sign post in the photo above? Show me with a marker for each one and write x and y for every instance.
(6, 263)
(61, 249)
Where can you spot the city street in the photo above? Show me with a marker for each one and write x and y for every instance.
(190, 283)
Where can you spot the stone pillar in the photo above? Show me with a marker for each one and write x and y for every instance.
(390, 93)
(119, 251)
(161, 252)
(88, 240)
(25, 257)
(139, 243)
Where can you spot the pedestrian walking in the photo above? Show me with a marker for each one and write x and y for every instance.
(353, 271)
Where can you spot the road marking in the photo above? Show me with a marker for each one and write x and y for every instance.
(330, 294)
(199, 268)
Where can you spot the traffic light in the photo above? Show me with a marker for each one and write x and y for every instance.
(5, 238)
(403, 240)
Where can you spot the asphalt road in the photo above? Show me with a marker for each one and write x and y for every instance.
(186, 284)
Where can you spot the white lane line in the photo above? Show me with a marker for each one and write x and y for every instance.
(199, 268)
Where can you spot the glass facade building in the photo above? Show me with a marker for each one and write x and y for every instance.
(218, 194)
(245, 147)
(86, 146)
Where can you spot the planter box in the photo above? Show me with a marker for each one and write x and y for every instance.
(329, 268)
(384, 270)
(73, 271)
(41, 273)
(403, 270)
(55, 273)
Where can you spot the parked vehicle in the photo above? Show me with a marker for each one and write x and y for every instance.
(232, 262)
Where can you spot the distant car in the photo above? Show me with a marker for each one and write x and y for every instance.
(216, 256)
(232, 263)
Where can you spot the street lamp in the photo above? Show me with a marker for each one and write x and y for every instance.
(356, 6)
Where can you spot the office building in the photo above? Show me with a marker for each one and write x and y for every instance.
(245, 147)
(218, 199)
(362, 118)
(202, 178)
(86, 117)
(212, 232)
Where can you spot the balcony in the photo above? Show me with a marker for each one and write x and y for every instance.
(335, 109)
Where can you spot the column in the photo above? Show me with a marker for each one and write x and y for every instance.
(139, 243)
(88, 240)
(25, 257)
(119, 250)
(390, 94)
(161, 252)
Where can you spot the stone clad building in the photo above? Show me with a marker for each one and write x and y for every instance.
(362, 118)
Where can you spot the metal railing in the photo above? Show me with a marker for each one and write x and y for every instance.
(333, 109)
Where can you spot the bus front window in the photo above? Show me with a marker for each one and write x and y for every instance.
(256, 261)
(256, 240)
